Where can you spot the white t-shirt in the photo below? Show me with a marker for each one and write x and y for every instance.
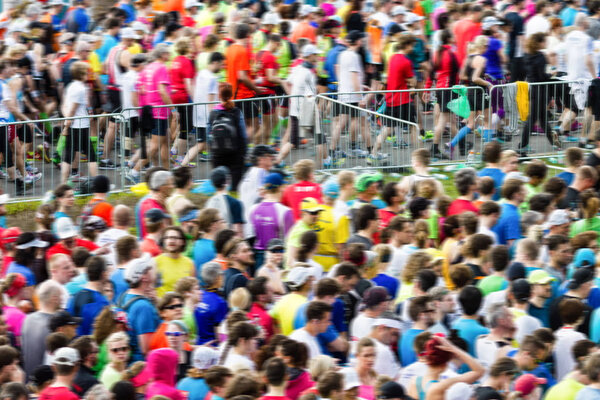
(487, 231)
(578, 44)
(6, 96)
(234, 361)
(498, 297)
(361, 326)
(76, 93)
(348, 63)
(301, 335)
(563, 358)
(381, 17)
(128, 84)
(304, 83)
(419, 368)
(110, 237)
(248, 194)
(558, 47)
(536, 24)
(486, 352)
(385, 361)
(525, 324)
(206, 84)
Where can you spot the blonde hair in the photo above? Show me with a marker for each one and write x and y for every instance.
(320, 365)
(239, 299)
(529, 248)
(346, 178)
(506, 155)
(303, 169)
(117, 337)
(183, 45)
(480, 43)
(421, 233)
(426, 189)
(416, 261)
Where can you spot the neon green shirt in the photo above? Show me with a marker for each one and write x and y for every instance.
(285, 309)
(566, 389)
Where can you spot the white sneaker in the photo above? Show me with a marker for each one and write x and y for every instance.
(359, 153)
(32, 178)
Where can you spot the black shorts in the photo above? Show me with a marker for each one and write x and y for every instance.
(5, 148)
(405, 112)
(444, 97)
(267, 106)
(161, 127)
(24, 133)
(477, 99)
(284, 102)
(295, 133)
(186, 120)
(132, 127)
(250, 107)
(201, 135)
(78, 140)
(114, 98)
(342, 109)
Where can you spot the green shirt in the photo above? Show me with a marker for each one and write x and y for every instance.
(490, 284)
(584, 225)
(566, 389)
(294, 236)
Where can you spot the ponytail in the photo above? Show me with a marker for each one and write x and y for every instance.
(226, 95)
(421, 233)
(590, 203)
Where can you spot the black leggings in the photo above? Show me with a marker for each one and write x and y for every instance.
(78, 140)
(186, 120)
(538, 103)
(6, 148)
(236, 165)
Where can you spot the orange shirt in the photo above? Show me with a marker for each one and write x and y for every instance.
(238, 59)
(304, 30)
(103, 210)
(159, 339)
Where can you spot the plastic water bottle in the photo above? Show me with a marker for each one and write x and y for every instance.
(478, 158)
(470, 158)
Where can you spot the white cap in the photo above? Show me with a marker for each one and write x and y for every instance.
(516, 175)
(558, 217)
(66, 356)
(398, 10)
(490, 21)
(65, 228)
(204, 357)
(139, 26)
(309, 50)
(270, 18)
(137, 267)
(411, 18)
(350, 378)
(191, 3)
(129, 33)
(307, 9)
(298, 276)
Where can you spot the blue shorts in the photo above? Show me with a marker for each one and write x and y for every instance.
(161, 127)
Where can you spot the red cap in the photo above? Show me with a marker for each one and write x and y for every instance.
(10, 235)
(527, 383)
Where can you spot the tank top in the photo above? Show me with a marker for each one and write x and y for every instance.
(469, 70)
(423, 390)
(115, 70)
(4, 95)
(20, 101)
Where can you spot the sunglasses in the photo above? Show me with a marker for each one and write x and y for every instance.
(175, 334)
(120, 349)
(313, 212)
(277, 251)
(173, 306)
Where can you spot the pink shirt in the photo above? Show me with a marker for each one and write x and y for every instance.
(14, 319)
(149, 80)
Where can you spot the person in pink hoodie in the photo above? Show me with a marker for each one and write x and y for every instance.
(162, 364)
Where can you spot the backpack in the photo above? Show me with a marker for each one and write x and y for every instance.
(225, 138)
(66, 71)
(88, 209)
(87, 304)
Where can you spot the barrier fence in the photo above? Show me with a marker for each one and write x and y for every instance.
(337, 130)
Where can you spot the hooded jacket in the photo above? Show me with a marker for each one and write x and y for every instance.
(162, 364)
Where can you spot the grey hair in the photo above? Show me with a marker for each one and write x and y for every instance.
(495, 313)
(531, 218)
(581, 20)
(98, 392)
(160, 178)
(210, 273)
(465, 178)
(82, 45)
(159, 50)
(47, 289)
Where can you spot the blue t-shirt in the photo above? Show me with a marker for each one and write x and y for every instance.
(508, 226)
(76, 284)
(330, 63)
(23, 270)
(388, 282)
(405, 347)
(143, 318)
(469, 330)
(497, 175)
(567, 176)
(204, 251)
(196, 389)
(208, 314)
(493, 67)
(78, 20)
(337, 315)
(121, 285)
(129, 11)
(588, 393)
(568, 16)
(109, 42)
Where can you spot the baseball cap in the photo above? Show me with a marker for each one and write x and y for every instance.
(516, 175)
(10, 235)
(94, 223)
(354, 36)
(584, 257)
(375, 295)
(365, 180)
(155, 215)
(410, 18)
(53, 3)
(139, 26)
(66, 356)
(299, 275)
(218, 176)
(27, 240)
(270, 18)
(190, 216)
(137, 267)
(306, 9)
(263, 150)
(394, 28)
(521, 289)
(392, 390)
(350, 378)
(490, 21)
(331, 23)
(204, 357)
(275, 244)
(527, 383)
(398, 10)
(581, 276)
(274, 180)
(331, 189)
(516, 270)
(62, 318)
(65, 228)
(310, 204)
(557, 217)
(540, 277)
(129, 33)
(418, 204)
(309, 50)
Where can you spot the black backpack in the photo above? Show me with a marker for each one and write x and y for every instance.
(225, 138)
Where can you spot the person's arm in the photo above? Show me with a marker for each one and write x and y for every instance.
(15, 86)
(291, 255)
(244, 78)
(339, 344)
(164, 93)
(144, 342)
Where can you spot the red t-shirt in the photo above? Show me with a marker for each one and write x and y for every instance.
(181, 68)
(264, 319)
(385, 217)
(444, 72)
(294, 194)
(59, 248)
(57, 393)
(148, 204)
(460, 206)
(150, 246)
(465, 31)
(400, 69)
(266, 60)
(237, 58)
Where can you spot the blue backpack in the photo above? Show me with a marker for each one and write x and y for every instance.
(87, 304)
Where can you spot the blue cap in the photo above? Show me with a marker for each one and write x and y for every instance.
(274, 180)
(583, 258)
(331, 189)
(190, 216)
